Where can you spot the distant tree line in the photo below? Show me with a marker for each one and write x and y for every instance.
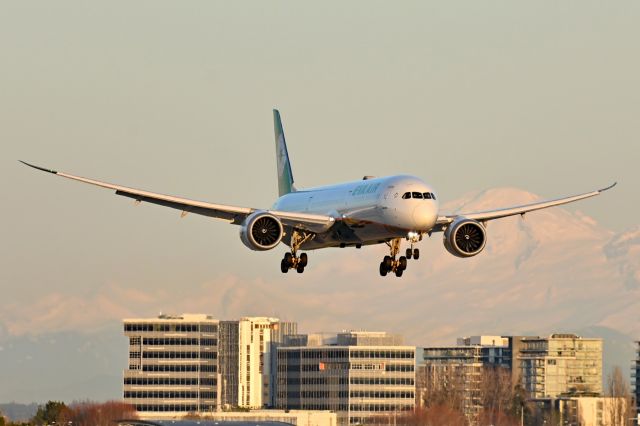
(78, 414)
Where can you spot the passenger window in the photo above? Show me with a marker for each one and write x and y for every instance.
(416, 195)
(427, 195)
(433, 195)
(406, 195)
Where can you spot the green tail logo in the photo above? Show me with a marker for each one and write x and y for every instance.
(285, 176)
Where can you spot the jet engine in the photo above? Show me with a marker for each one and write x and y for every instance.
(261, 231)
(465, 237)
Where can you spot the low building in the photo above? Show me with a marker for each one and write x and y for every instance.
(591, 411)
(248, 418)
(173, 364)
(362, 376)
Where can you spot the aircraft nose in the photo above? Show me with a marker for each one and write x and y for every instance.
(425, 215)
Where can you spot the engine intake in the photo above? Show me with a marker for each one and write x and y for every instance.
(261, 231)
(465, 238)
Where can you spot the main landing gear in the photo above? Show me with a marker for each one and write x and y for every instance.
(390, 264)
(291, 260)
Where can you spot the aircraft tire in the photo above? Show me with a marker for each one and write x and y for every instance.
(288, 257)
(403, 263)
(416, 254)
(408, 253)
(383, 269)
(387, 263)
(399, 272)
(284, 266)
(304, 259)
(300, 269)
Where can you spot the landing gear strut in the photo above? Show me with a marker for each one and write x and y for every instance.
(390, 264)
(291, 260)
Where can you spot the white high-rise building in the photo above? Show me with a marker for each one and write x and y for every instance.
(257, 339)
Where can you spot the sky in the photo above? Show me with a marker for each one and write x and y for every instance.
(176, 98)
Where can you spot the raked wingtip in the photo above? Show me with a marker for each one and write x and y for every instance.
(608, 187)
(38, 167)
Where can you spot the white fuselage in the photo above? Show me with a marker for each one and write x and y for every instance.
(367, 211)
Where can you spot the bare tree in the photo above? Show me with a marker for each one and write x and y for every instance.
(619, 405)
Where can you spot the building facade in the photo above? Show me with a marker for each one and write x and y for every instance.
(228, 360)
(457, 372)
(258, 338)
(635, 379)
(173, 364)
(360, 382)
(561, 365)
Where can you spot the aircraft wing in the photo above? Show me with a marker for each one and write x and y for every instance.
(236, 215)
(484, 216)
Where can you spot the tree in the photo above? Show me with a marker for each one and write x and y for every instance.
(50, 413)
(619, 405)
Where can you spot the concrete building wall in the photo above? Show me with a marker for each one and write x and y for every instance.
(561, 365)
(357, 382)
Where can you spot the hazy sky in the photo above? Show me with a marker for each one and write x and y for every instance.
(176, 97)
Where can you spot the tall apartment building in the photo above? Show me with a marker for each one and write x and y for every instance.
(457, 371)
(561, 365)
(258, 338)
(173, 364)
(361, 376)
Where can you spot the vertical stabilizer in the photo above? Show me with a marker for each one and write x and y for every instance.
(285, 177)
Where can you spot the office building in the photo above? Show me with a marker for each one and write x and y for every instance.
(362, 376)
(173, 364)
(561, 365)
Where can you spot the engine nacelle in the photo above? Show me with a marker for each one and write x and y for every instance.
(465, 237)
(261, 231)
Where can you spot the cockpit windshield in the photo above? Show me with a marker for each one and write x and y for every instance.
(419, 195)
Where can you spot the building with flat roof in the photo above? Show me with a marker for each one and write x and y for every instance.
(173, 364)
(358, 381)
(458, 371)
(561, 365)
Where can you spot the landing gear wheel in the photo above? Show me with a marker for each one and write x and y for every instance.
(300, 269)
(409, 253)
(416, 253)
(288, 257)
(383, 269)
(387, 262)
(284, 266)
(399, 272)
(402, 264)
(303, 259)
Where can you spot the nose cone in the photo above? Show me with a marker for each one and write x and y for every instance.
(425, 215)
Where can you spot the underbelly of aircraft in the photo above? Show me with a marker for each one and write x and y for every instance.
(342, 234)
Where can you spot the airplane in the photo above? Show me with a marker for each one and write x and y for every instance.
(374, 210)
